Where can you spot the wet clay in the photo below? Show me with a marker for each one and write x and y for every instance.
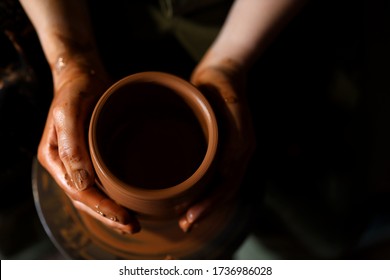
(80, 236)
(153, 140)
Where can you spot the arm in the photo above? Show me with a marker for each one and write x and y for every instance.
(64, 30)
(79, 79)
(250, 27)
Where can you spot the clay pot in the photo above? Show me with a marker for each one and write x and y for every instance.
(153, 141)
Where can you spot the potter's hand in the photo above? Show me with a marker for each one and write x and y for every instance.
(65, 32)
(224, 85)
(63, 148)
(248, 29)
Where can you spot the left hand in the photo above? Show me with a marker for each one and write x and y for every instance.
(224, 85)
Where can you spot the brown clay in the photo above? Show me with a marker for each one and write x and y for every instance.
(153, 140)
(79, 236)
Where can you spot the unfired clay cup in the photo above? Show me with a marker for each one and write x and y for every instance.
(153, 141)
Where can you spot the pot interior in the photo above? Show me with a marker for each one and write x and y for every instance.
(150, 136)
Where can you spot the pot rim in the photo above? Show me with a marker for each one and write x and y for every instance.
(190, 93)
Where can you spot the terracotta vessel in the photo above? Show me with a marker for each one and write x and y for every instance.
(153, 139)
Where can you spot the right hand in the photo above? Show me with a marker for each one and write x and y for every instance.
(63, 149)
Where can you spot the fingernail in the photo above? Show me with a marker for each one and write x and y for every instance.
(194, 213)
(184, 224)
(80, 179)
(190, 217)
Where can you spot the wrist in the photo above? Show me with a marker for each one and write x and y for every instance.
(230, 64)
(231, 67)
(225, 77)
(70, 66)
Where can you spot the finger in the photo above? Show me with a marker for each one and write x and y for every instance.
(49, 159)
(194, 213)
(127, 228)
(91, 197)
(90, 200)
(227, 182)
(72, 147)
(103, 207)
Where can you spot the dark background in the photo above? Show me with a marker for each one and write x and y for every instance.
(320, 99)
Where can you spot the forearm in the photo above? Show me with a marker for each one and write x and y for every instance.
(249, 28)
(64, 30)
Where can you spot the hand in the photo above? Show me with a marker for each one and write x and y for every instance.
(224, 85)
(63, 149)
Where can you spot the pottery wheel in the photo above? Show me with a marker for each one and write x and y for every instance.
(79, 236)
